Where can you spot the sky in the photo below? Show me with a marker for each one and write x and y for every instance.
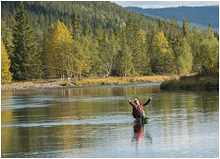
(163, 4)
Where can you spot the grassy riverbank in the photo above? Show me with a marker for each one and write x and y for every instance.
(168, 82)
(192, 82)
(120, 80)
(48, 84)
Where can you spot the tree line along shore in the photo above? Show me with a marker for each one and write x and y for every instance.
(135, 50)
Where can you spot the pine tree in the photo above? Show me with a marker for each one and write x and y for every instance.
(113, 49)
(130, 26)
(88, 31)
(209, 25)
(166, 27)
(160, 24)
(140, 55)
(174, 34)
(150, 40)
(123, 58)
(186, 28)
(25, 58)
(6, 75)
(76, 31)
(142, 24)
(216, 35)
(194, 41)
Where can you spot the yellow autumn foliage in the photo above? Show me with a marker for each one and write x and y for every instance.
(58, 50)
(6, 75)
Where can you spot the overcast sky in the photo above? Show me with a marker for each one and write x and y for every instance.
(162, 4)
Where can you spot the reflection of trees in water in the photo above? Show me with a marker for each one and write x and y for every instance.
(179, 112)
(140, 135)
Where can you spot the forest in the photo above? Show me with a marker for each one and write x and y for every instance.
(50, 40)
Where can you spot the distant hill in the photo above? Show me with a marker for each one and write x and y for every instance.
(200, 16)
(95, 13)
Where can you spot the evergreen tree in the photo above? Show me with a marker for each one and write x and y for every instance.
(216, 35)
(195, 41)
(150, 40)
(160, 24)
(103, 44)
(25, 58)
(40, 37)
(140, 56)
(130, 26)
(6, 75)
(112, 52)
(123, 58)
(142, 24)
(186, 28)
(209, 25)
(166, 27)
(174, 34)
(76, 31)
(88, 31)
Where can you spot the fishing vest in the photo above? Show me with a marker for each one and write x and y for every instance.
(136, 111)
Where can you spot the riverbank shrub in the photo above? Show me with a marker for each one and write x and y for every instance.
(191, 82)
(66, 84)
(119, 80)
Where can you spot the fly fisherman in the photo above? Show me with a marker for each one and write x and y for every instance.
(138, 112)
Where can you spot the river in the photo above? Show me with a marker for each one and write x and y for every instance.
(97, 122)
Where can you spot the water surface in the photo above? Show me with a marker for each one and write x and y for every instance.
(97, 122)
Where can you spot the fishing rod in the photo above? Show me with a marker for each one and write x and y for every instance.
(121, 93)
(135, 93)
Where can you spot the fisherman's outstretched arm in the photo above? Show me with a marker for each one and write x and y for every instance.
(147, 102)
(131, 103)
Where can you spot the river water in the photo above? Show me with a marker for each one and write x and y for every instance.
(97, 122)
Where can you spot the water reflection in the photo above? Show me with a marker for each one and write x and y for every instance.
(140, 136)
(85, 122)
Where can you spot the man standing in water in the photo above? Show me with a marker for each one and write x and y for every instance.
(138, 112)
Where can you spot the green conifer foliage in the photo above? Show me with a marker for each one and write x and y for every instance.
(186, 28)
(166, 27)
(173, 34)
(123, 58)
(25, 58)
(160, 24)
(194, 42)
(140, 56)
(76, 26)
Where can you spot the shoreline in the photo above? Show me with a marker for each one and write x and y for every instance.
(90, 82)
(55, 85)
(165, 82)
(26, 86)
